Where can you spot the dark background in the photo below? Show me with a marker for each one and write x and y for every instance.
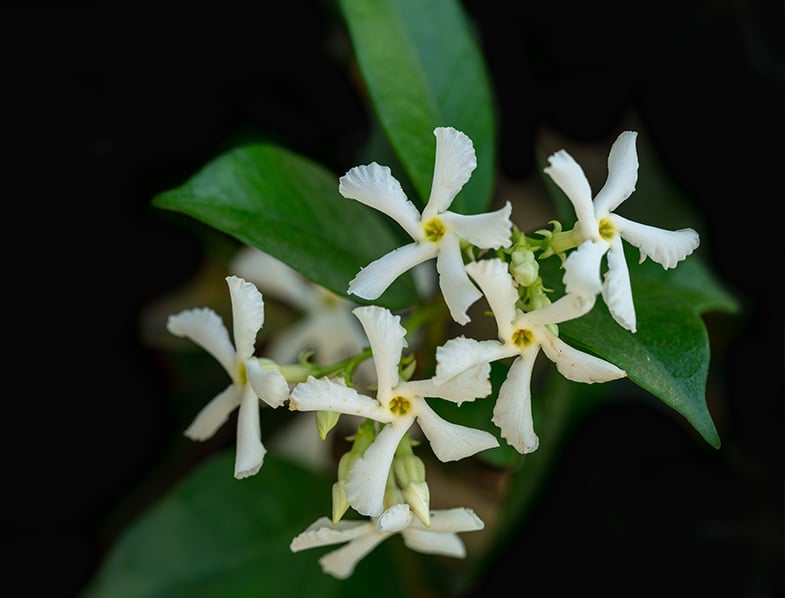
(107, 106)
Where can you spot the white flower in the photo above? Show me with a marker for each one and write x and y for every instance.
(363, 536)
(437, 233)
(398, 404)
(250, 382)
(327, 327)
(603, 230)
(521, 335)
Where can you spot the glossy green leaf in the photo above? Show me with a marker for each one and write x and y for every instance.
(282, 203)
(214, 535)
(669, 354)
(423, 69)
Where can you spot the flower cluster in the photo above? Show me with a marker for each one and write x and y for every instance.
(316, 365)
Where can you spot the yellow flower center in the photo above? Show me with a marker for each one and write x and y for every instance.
(242, 374)
(606, 229)
(434, 230)
(522, 337)
(399, 405)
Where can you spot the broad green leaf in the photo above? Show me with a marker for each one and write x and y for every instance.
(214, 535)
(669, 354)
(282, 203)
(423, 69)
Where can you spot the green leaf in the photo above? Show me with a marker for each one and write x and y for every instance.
(288, 206)
(214, 535)
(669, 354)
(423, 69)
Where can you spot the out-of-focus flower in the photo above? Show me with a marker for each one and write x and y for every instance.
(327, 326)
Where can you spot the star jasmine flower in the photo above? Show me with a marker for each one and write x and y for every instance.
(522, 336)
(250, 380)
(602, 230)
(362, 537)
(437, 232)
(327, 327)
(398, 405)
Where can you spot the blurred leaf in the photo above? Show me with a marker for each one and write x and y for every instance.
(214, 535)
(423, 69)
(282, 203)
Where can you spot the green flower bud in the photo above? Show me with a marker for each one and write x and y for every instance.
(418, 496)
(340, 503)
(326, 421)
(524, 267)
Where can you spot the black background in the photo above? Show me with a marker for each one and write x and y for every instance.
(107, 106)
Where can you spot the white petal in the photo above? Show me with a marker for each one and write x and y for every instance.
(458, 290)
(273, 277)
(665, 247)
(566, 307)
(513, 410)
(570, 178)
(340, 563)
(494, 278)
(386, 336)
(395, 518)
(469, 385)
(247, 314)
(622, 174)
(582, 269)
(578, 366)
(617, 291)
(213, 415)
(374, 279)
(460, 354)
(205, 327)
(323, 394)
(458, 519)
(250, 451)
(453, 166)
(269, 385)
(451, 442)
(324, 532)
(368, 476)
(490, 230)
(428, 542)
(375, 186)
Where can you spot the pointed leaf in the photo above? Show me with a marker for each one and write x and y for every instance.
(669, 354)
(282, 203)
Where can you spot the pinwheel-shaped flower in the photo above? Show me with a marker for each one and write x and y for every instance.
(521, 335)
(398, 404)
(250, 381)
(437, 233)
(363, 536)
(603, 230)
(327, 327)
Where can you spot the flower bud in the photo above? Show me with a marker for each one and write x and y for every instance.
(326, 421)
(524, 267)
